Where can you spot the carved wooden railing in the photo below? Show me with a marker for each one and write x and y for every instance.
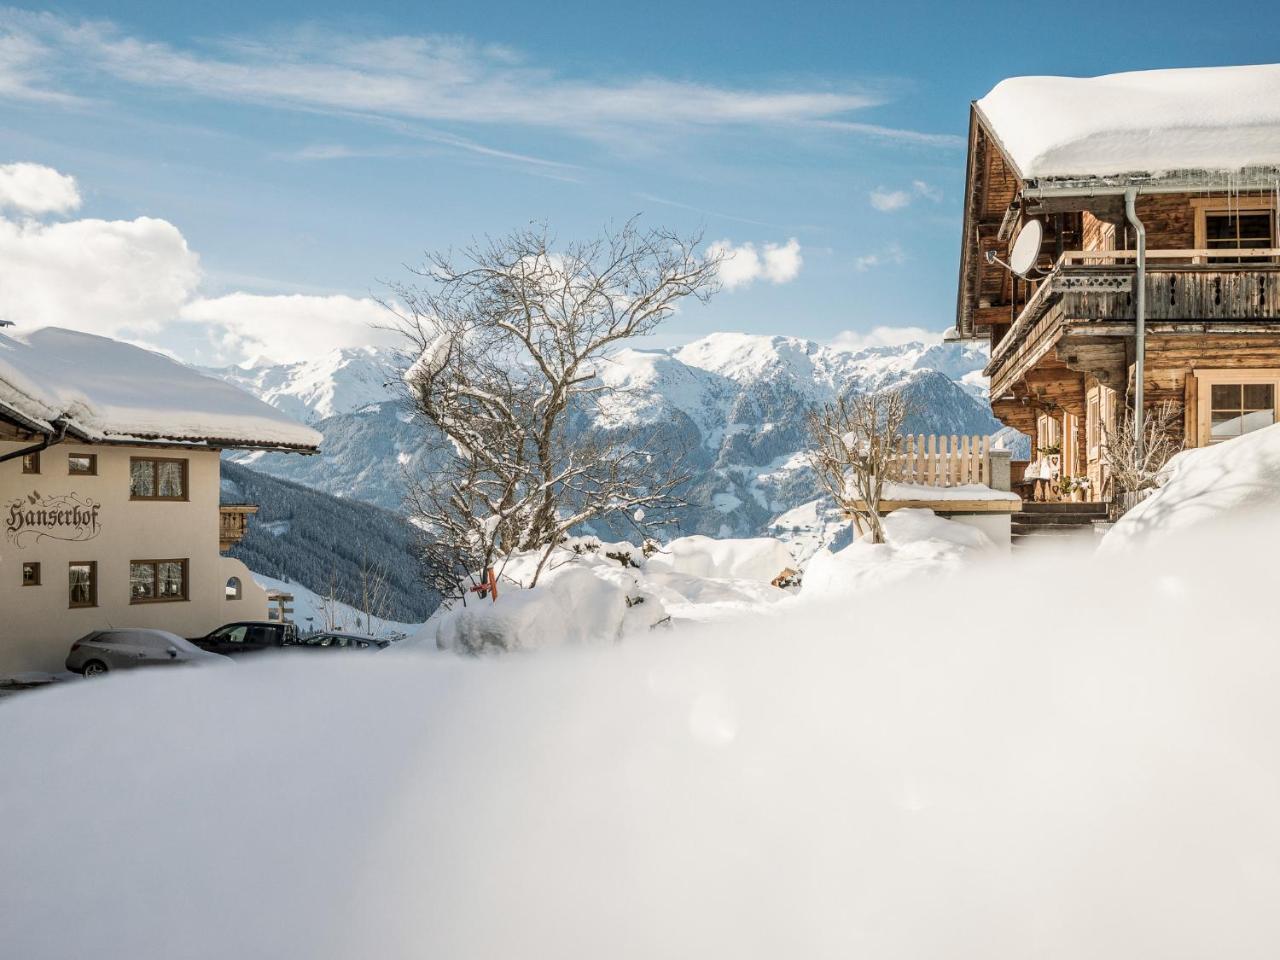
(1193, 285)
(233, 523)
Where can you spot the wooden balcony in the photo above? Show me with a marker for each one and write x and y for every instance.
(233, 522)
(1092, 293)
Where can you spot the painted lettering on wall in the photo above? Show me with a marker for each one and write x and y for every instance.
(66, 516)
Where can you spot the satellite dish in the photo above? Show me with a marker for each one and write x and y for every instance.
(1026, 248)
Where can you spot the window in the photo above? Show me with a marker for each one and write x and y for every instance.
(30, 574)
(157, 581)
(234, 590)
(232, 634)
(1237, 230)
(82, 583)
(31, 463)
(82, 464)
(157, 479)
(1239, 408)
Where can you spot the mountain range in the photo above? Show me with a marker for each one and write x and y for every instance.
(732, 404)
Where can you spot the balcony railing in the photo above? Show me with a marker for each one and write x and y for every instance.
(1181, 285)
(233, 523)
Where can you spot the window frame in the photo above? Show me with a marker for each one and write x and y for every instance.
(93, 465)
(184, 563)
(31, 463)
(1206, 379)
(35, 567)
(93, 584)
(1205, 207)
(155, 479)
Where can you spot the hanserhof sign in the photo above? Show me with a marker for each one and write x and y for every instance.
(67, 516)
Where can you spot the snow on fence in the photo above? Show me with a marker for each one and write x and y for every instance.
(935, 461)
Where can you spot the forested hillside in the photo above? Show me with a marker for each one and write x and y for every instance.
(325, 542)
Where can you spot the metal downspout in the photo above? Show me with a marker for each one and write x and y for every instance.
(1140, 321)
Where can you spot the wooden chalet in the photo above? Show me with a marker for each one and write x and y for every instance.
(1158, 278)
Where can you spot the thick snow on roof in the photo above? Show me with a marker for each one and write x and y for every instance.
(108, 390)
(1220, 119)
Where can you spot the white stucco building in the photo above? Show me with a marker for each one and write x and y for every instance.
(109, 493)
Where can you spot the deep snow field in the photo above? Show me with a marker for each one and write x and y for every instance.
(1067, 757)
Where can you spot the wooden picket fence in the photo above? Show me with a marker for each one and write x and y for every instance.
(935, 461)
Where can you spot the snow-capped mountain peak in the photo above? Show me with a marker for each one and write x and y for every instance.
(340, 381)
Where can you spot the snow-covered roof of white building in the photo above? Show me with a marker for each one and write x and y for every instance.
(1217, 119)
(104, 390)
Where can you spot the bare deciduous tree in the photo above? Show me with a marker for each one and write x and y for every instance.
(856, 441)
(1132, 474)
(510, 342)
(375, 593)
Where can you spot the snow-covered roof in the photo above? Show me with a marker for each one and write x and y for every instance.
(1214, 119)
(104, 390)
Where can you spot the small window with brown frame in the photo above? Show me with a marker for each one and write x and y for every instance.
(82, 464)
(1239, 230)
(31, 462)
(157, 581)
(30, 574)
(82, 583)
(157, 478)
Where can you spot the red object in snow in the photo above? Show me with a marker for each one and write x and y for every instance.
(488, 585)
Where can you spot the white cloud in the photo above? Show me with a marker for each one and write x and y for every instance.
(891, 254)
(744, 264)
(886, 200)
(428, 77)
(927, 190)
(288, 326)
(884, 336)
(104, 276)
(34, 188)
(138, 280)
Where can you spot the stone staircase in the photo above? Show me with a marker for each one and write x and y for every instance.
(1044, 524)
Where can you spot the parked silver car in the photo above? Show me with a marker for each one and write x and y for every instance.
(96, 653)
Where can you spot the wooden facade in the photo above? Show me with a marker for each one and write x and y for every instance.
(1063, 341)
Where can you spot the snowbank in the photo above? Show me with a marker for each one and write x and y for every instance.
(580, 602)
(756, 558)
(919, 544)
(1206, 486)
(109, 390)
(894, 779)
(603, 592)
(1154, 121)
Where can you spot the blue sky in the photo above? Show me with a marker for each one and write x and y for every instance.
(308, 149)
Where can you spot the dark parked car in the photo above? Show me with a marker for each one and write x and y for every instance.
(103, 650)
(341, 641)
(248, 636)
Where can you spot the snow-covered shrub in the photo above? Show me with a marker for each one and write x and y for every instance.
(755, 558)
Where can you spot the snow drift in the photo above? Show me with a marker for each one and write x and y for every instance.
(1206, 486)
(917, 544)
(915, 776)
(602, 592)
